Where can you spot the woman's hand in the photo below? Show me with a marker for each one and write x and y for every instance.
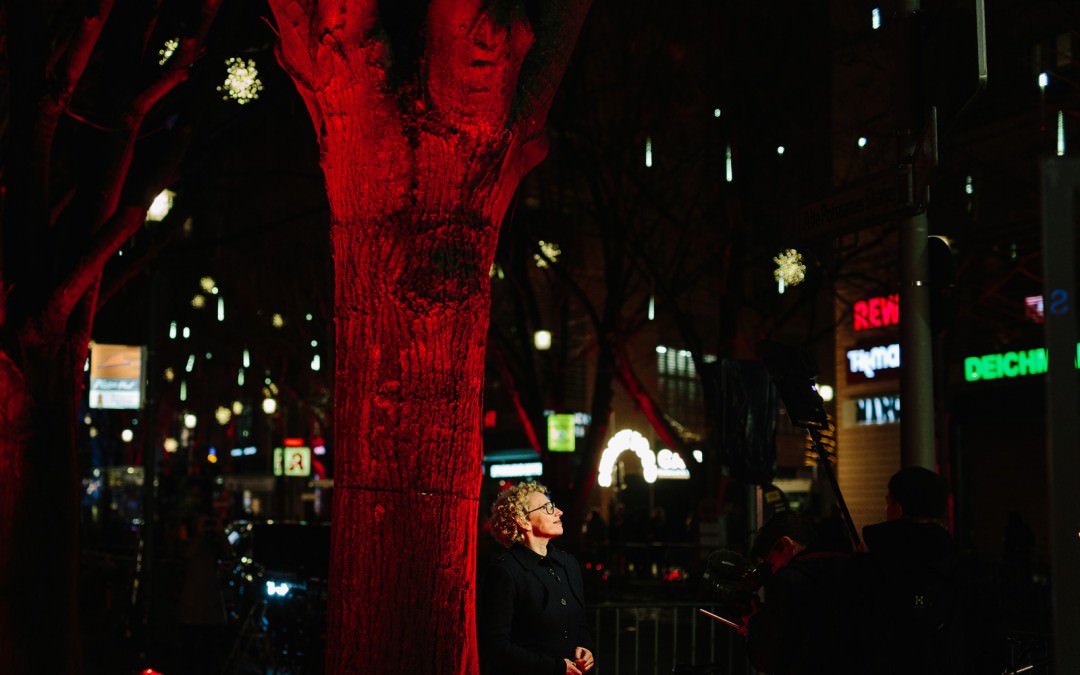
(571, 669)
(583, 659)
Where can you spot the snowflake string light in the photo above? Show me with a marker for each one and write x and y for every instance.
(790, 270)
(242, 83)
(167, 50)
(550, 250)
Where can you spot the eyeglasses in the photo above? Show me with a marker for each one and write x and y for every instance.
(549, 508)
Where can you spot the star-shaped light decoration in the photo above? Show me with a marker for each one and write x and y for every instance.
(242, 83)
(550, 250)
(790, 269)
(167, 50)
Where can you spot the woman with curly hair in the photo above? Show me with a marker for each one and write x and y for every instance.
(532, 606)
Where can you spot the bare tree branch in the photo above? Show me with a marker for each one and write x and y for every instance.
(646, 403)
(123, 145)
(63, 77)
(474, 60)
(556, 33)
(124, 222)
(310, 49)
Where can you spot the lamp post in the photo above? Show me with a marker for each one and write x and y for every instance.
(269, 408)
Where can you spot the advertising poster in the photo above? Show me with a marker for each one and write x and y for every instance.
(116, 376)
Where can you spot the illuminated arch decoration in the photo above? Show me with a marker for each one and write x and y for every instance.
(626, 440)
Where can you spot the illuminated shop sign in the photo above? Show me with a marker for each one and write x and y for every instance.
(516, 470)
(292, 461)
(1033, 308)
(670, 465)
(564, 428)
(873, 363)
(116, 376)
(560, 430)
(661, 464)
(877, 312)
(1008, 364)
(877, 410)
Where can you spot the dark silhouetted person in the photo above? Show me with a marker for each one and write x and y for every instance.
(201, 613)
(802, 626)
(909, 585)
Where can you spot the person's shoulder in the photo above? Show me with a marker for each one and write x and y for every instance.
(564, 557)
(909, 540)
(501, 568)
(500, 558)
(509, 559)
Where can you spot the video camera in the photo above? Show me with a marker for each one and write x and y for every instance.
(734, 582)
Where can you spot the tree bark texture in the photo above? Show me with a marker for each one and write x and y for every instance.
(421, 161)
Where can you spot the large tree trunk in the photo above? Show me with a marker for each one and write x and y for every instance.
(411, 315)
(39, 491)
(421, 160)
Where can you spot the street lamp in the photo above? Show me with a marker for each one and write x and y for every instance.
(161, 206)
(542, 340)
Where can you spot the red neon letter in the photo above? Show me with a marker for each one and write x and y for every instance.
(891, 310)
(875, 312)
(860, 315)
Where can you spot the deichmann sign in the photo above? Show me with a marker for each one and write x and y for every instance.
(116, 376)
(1008, 364)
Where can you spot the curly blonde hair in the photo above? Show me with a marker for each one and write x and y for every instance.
(508, 509)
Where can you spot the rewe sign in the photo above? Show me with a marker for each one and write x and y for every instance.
(877, 312)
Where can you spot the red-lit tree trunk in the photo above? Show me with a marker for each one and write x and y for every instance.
(421, 157)
(55, 238)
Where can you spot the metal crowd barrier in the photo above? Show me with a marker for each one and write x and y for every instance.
(638, 639)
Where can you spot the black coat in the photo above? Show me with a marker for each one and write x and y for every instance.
(531, 613)
(911, 595)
